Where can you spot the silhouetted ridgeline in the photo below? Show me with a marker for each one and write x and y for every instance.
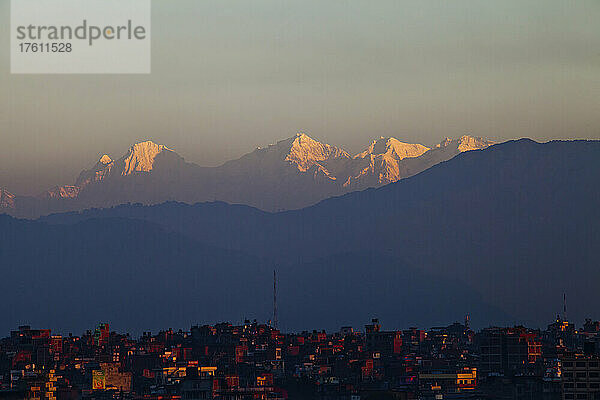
(499, 233)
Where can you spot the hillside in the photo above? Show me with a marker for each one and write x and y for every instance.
(508, 221)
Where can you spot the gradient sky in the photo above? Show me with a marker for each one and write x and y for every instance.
(230, 75)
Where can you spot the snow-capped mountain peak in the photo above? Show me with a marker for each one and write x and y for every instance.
(141, 156)
(96, 173)
(62, 192)
(305, 152)
(393, 148)
(105, 159)
(465, 143)
(292, 173)
(381, 162)
(7, 199)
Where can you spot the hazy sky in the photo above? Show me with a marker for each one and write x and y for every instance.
(232, 75)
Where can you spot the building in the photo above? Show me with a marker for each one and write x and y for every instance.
(508, 350)
(581, 378)
(464, 380)
(383, 342)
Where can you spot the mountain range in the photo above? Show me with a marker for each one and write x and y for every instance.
(499, 234)
(290, 174)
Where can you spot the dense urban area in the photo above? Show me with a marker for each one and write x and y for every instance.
(257, 361)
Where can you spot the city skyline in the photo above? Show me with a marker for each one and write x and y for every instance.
(253, 360)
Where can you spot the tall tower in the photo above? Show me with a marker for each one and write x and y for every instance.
(275, 299)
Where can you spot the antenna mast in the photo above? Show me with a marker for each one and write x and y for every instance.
(275, 299)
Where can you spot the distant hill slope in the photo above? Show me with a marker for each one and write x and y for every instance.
(140, 277)
(518, 222)
(131, 273)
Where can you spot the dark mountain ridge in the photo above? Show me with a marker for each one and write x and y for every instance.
(517, 222)
(141, 277)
